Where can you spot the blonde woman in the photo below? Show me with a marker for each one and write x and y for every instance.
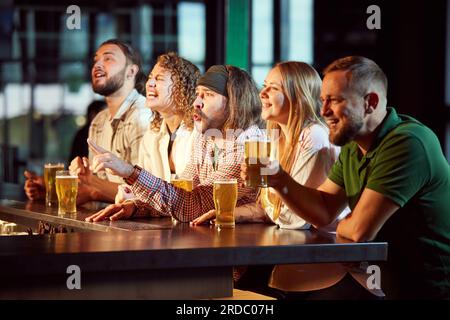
(291, 104)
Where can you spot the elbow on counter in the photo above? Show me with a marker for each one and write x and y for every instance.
(321, 222)
(358, 236)
(356, 233)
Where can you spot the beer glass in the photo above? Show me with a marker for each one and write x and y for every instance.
(66, 189)
(257, 156)
(183, 183)
(49, 180)
(225, 197)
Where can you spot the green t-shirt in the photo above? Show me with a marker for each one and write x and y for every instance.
(405, 164)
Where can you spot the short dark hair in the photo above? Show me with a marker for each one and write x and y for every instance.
(361, 72)
(133, 57)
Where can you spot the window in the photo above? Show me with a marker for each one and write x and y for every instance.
(301, 33)
(262, 39)
(191, 32)
(45, 64)
(447, 81)
(291, 39)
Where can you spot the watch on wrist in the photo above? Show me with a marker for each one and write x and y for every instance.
(133, 176)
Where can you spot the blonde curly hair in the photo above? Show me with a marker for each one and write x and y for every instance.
(184, 75)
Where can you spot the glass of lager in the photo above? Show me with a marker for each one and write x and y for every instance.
(225, 198)
(183, 183)
(257, 156)
(49, 180)
(66, 189)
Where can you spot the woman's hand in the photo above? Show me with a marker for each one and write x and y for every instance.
(273, 171)
(124, 210)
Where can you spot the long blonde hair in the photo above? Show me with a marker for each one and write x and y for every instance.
(301, 85)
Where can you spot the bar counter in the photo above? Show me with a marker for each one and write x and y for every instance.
(150, 258)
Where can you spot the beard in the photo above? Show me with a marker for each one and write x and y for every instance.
(348, 131)
(111, 85)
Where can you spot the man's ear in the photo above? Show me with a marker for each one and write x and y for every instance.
(132, 71)
(371, 101)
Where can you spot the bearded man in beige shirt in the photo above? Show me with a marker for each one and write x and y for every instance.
(117, 75)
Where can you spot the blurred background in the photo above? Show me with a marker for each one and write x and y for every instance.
(45, 67)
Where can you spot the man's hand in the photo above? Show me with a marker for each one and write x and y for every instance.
(114, 212)
(34, 186)
(210, 217)
(87, 193)
(123, 193)
(80, 167)
(105, 160)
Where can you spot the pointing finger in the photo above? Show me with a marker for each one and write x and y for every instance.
(95, 147)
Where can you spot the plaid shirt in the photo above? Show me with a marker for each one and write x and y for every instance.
(156, 197)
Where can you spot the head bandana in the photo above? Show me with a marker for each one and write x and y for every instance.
(215, 79)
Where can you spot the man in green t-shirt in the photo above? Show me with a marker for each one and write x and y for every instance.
(391, 173)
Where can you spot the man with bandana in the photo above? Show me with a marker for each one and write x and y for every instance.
(227, 112)
(117, 75)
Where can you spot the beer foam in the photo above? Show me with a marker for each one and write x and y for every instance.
(226, 181)
(60, 165)
(66, 177)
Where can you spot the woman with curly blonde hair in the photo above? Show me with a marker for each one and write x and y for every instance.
(170, 93)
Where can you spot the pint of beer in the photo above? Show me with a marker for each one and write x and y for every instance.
(183, 183)
(257, 156)
(66, 189)
(225, 198)
(49, 180)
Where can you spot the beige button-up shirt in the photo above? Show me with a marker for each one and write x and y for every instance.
(122, 133)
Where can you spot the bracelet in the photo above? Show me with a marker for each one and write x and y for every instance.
(131, 179)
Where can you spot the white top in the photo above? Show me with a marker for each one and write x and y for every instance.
(314, 158)
(153, 150)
